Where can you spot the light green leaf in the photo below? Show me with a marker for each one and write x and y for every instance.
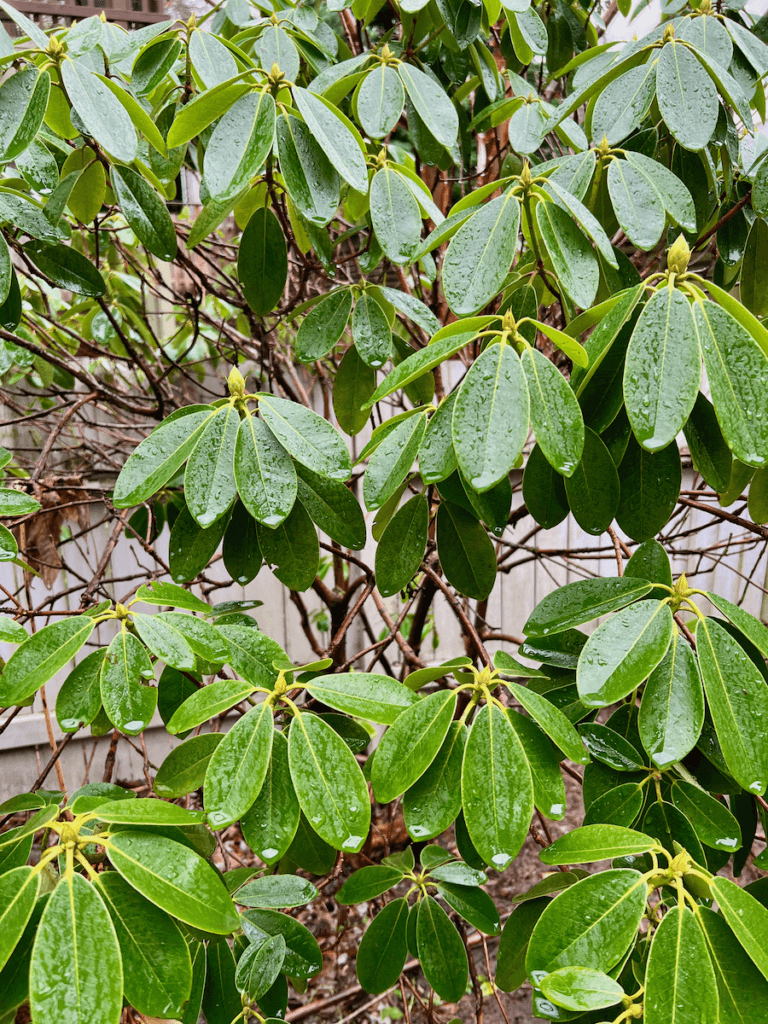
(572, 256)
(480, 254)
(555, 413)
(128, 703)
(392, 460)
(411, 744)
(623, 651)
(686, 95)
(309, 175)
(581, 988)
(264, 472)
(329, 784)
(207, 702)
(672, 709)
(76, 969)
(323, 326)
(380, 101)
(552, 721)
(308, 437)
(431, 104)
(662, 370)
(499, 812)
(593, 843)
(238, 767)
(331, 133)
(680, 985)
(240, 144)
(490, 417)
(174, 878)
(19, 889)
(637, 204)
(738, 701)
(102, 114)
(371, 331)
(375, 698)
(41, 656)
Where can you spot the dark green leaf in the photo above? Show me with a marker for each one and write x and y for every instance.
(293, 549)
(382, 953)
(441, 952)
(323, 326)
(66, 267)
(593, 489)
(713, 822)
(479, 255)
(672, 709)
(264, 473)
(262, 261)
(433, 802)
(128, 702)
(238, 767)
(270, 824)
(145, 212)
(371, 331)
(402, 546)
(582, 601)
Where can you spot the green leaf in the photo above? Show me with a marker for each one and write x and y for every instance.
(490, 417)
(623, 104)
(441, 951)
(583, 601)
(145, 212)
(552, 721)
(571, 254)
(437, 457)
(34, 824)
(276, 891)
(383, 952)
(375, 698)
(128, 703)
(23, 100)
(303, 958)
(638, 206)
(431, 104)
(380, 101)
(676, 197)
(411, 744)
(309, 175)
(610, 747)
(433, 802)
(221, 1001)
(334, 137)
(368, 883)
(193, 118)
(157, 970)
(240, 144)
(747, 918)
(308, 437)
(238, 767)
(593, 843)
(41, 656)
(263, 472)
(752, 628)
(735, 367)
(581, 988)
(137, 114)
(752, 288)
(271, 823)
(402, 546)
(738, 701)
(548, 786)
(293, 549)
(593, 489)
(741, 987)
(686, 95)
(513, 947)
(174, 878)
(497, 814)
(211, 59)
(650, 485)
(252, 654)
(591, 924)
(479, 255)
(680, 983)
(332, 507)
(555, 413)
(329, 784)
(262, 261)
(354, 385)
(102, 114)
(395, 214)
(619, 806)
(371, 331)
(672, 709)
(183, 770)
(544, 490)
(165, 642)
(662, 370)
(623, 651)
(145, 812)
(713, 822)
(392, 460)
(260, 965)
(66, 267)
(19, 889)
(79, 699)
(275, 46)
(75, 969)
(709, 452)
(161, 455)
(208, 702)
(467, 555)
(670, 826)
(473, 905)
(323, 326)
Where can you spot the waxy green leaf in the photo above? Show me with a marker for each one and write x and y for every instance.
(238, 767)
(441, 951)
(672, 708)
(272, 820)
(41, 656)
(582, 601)
(383, 952)
(680, 983)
